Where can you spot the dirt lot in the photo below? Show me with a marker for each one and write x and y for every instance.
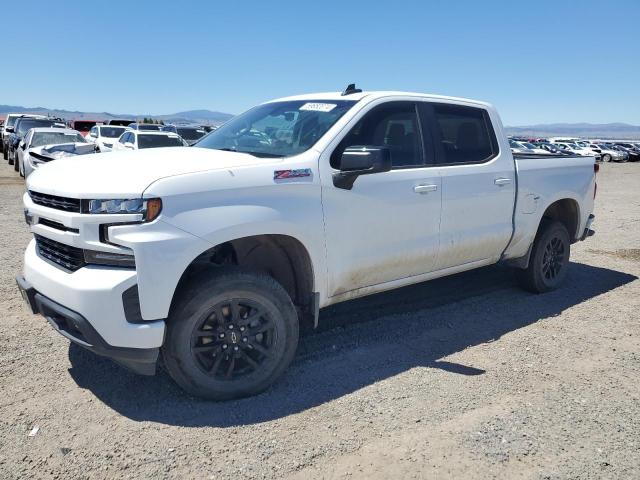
(465, 377)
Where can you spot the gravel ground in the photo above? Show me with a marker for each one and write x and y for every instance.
(463, 377)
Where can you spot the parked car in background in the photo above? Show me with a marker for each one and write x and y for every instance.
(589, 147)
(104, 136)
(21, 127)
(551, 148)
(517, 147)
(190, 133)
(533, 148)
(609, 154)
(217, 255)
(138, 140)
(618, 148)
(631, 149)
(574, 149)
(147, 127)
(9, 124)
(30, 151)
(122, 122)
(83, 126)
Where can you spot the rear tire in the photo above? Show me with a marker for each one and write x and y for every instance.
(4, 152)
(230, 334)
(16, 162)
(549, 260)
(10, 158)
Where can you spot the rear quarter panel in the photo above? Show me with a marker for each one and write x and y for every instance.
(543, 181)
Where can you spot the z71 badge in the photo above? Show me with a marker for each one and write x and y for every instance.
(285, 174)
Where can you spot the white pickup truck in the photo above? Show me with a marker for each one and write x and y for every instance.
(212, 256)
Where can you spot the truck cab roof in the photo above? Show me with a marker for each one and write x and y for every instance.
(374, 95)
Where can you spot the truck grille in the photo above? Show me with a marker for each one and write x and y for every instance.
(52, 201)
(68, 257)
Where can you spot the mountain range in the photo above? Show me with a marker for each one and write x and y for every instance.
(209, 117)
(618, 131)
(205, 117)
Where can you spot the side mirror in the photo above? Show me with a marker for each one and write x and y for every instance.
(361, 160)
(23, 145)
(128, 145)
(8, 129)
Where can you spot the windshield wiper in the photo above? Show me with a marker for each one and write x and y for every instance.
(255, 154)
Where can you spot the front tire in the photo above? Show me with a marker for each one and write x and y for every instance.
(10, 158)
(16, 162)
(230, 334)
(549, 260)
(606, 158)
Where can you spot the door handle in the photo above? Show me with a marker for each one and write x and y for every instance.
(425, 188)
(502, 181)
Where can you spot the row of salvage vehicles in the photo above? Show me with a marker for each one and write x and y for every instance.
(28, 141)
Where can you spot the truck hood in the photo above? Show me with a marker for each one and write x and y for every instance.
(126, 174)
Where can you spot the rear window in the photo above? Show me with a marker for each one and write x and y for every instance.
(466, 134)
(24, 124)
(83, 126)
(190, 133)
(111, 132)
(149, 127)
(154, 141)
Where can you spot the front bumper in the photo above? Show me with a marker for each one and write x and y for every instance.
(79, 330)
(95, 293)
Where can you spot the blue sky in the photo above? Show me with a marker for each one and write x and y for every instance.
(538, 62)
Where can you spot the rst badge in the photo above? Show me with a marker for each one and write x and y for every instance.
(285, 174)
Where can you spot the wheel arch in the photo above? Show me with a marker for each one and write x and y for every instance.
(283, 257)
(565, 211)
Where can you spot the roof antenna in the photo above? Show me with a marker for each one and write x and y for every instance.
(351, 88)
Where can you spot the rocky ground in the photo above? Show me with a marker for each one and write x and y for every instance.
(464, 377)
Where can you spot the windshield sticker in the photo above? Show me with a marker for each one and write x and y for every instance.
(318, 107)
(284, 174)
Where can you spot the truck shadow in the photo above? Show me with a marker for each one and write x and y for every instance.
(359, 343)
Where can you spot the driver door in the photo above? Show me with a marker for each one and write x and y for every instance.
(386, 227)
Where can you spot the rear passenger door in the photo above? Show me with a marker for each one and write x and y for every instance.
(478, 184)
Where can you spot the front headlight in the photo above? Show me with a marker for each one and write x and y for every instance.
(149, 208)
(95, 257)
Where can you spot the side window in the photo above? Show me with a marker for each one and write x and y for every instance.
(465, 134)
(93, 132)
(123, 138)
(393, 125)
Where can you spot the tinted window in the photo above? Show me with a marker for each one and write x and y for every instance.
(190, 133)
(111, 132)
(393, 125)
(148, 127)
(465, 134)
(154, 141)
(24, 124)
(83, 126)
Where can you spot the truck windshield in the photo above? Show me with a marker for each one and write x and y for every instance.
(277, 129)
